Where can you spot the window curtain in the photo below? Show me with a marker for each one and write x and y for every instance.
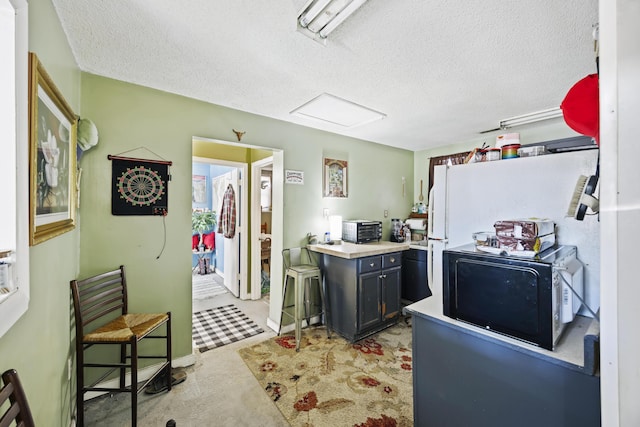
(456, 159)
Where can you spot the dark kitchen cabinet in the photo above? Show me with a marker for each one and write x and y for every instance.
(464, 378)
(414, 276)
(362, 294)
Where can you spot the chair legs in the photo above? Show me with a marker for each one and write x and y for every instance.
(127, 361)
(302, 291)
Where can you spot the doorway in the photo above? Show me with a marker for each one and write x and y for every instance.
(212, 151)
(228, 258)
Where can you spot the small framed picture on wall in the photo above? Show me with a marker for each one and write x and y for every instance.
(334, 178)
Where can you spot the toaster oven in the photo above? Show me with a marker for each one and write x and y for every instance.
(361, 231)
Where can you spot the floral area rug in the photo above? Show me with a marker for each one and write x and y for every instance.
(331, 382)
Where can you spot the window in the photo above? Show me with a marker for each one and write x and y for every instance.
(14, 217)
(455, 159)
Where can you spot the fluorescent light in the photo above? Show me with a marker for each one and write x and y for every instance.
(311, 12)
(319, 18)
(346, 12)
(337, 111)
(525, 119)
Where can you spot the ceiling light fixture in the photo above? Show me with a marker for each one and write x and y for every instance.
(337, 111)
(525, 119)
(319, 18)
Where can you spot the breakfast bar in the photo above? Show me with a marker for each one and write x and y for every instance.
(465, 375)
(362, 286)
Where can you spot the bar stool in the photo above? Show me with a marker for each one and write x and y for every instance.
(301, 269)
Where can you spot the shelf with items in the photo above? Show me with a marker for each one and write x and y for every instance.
(418, 215)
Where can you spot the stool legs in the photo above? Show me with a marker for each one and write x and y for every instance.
(302, 291)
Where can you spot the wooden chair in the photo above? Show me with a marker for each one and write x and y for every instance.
(18, 407)
(263, 228)
(102, 318)
(265, 253)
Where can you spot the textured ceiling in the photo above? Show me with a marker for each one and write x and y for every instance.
(441, 71)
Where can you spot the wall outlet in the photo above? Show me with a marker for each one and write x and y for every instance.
(69, 365)
(386, 213)
(325, 212)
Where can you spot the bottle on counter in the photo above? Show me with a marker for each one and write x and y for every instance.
(407, 234)
(397, 234)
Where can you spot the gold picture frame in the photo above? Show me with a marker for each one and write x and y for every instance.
(334, 178)
(52, 158)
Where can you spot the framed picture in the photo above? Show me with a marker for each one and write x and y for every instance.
(334, 178)
(52, 158)
(199, 189)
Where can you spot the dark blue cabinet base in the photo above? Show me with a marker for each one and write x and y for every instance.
(462, 379)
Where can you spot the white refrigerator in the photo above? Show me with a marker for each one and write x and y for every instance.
(472, 197)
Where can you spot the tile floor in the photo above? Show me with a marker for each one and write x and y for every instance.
(219, 389)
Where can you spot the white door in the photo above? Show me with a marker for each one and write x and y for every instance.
(231, 268)
(232, 246)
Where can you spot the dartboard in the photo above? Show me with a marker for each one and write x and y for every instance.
(140, 186)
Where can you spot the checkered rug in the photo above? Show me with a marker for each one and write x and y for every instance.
(220, 326)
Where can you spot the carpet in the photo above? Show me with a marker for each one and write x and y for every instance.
(207, 286)
(220, 326)
(332, 382)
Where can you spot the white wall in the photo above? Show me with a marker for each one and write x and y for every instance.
(620, 202)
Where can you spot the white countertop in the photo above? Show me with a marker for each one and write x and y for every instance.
(351, 250)
(570, 348)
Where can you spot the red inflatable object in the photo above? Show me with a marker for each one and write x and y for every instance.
(580, 107)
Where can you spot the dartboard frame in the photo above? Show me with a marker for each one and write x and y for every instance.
(139, 187)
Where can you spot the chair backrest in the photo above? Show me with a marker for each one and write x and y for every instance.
(265, 247)
(18, 409)
(99, 298)
(297, 256)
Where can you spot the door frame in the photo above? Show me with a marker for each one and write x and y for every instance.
(241, 225)
(256, 221)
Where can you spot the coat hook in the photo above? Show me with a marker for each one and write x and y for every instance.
(238, 134)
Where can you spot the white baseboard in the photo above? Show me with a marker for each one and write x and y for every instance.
(143, 375)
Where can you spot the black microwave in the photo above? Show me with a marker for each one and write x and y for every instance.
(361, 231)
(524, 298)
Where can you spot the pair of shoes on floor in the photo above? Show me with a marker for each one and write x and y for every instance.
(159, 383)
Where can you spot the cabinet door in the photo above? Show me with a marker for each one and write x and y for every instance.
(369, 300)
(391, 280)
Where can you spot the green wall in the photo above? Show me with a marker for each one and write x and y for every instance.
(39, 344)
(143, 122)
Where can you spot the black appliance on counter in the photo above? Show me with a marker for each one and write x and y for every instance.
(524, 298)
(414, 276)
(361, 231)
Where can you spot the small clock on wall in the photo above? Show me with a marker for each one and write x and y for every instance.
(139, 186)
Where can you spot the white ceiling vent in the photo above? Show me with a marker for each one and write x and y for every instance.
(331, 109)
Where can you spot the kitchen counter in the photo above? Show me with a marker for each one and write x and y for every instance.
(464, 375)
(348, 250)
(362, 286)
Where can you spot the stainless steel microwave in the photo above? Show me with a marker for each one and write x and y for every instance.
(525, 298)
(361, 231)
